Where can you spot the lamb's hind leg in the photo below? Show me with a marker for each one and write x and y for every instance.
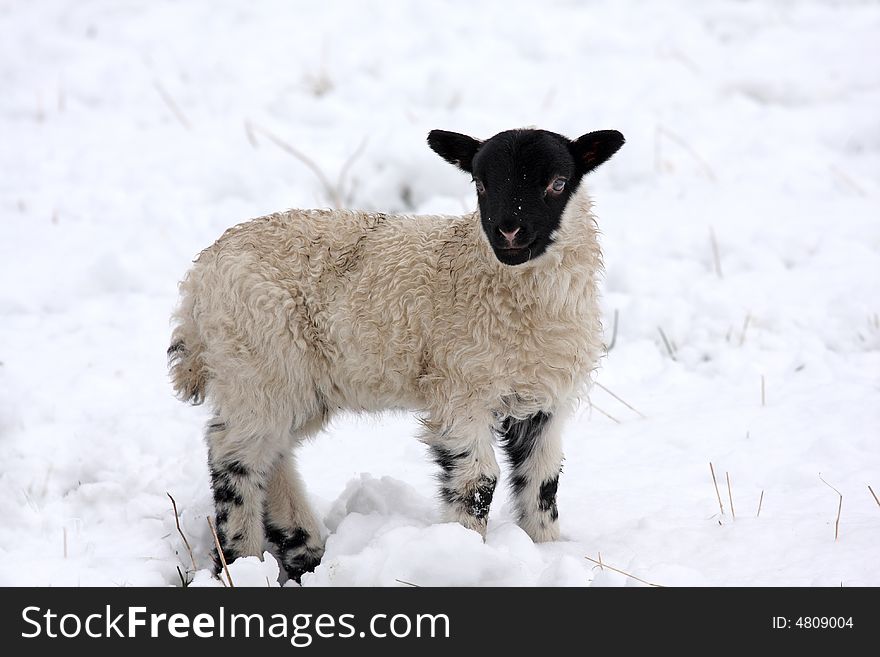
(290, 525)
(468, 472)
(534, 448)
(239, 466)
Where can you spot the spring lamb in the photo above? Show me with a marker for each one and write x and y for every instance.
(486, 324)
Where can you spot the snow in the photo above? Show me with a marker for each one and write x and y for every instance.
(245, 571)
(134, 133)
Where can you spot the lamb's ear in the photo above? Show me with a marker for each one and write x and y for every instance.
(455, 148)
(593, 148)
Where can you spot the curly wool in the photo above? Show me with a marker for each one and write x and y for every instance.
(289, 317)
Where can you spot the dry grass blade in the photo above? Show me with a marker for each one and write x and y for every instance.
(715, 254)
(667, 343)
(343, 172)
(613, 333)
(180, 531)
(658, 158)
(760, 503)
(403, 581)
(249, 131)
(717, 493)
(331, 192)
(730, 496)
(220, 552)
(175, 109)
(629, 406)
(847, 180)
(839, 507)
(610, 417)
(183, 582)
(602, 564)
(874, 495)
(710, 174)
(742, 336)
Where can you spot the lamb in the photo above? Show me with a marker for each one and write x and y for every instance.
(486, 324)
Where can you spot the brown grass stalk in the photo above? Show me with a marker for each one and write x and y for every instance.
(173, 106)
(667, 343)
(333, 192)
(610, 417)
(839, 507)
(346, 166)
(730, 496)
(180, 531)
(742, 336)
(220, 552)
(249, 131)
(847, 180)
(613, 333)
(602, 564)
(715, 254)
(874, 495)
(629, 406)
(661, 131)
(717, 493)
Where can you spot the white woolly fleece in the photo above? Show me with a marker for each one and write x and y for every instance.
(288, 317)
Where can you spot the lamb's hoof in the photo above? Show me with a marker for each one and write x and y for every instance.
(298, 550)
(541, 531)
(304, 562)
(217, 564)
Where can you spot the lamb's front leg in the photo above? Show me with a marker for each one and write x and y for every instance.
(468, 472)
(534, 448)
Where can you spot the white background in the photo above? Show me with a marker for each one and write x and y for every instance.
(133, 134)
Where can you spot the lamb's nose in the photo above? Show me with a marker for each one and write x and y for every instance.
(509, 235)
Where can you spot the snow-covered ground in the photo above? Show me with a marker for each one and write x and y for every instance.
(132, 134)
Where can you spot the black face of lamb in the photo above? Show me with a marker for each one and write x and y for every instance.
(524, 180)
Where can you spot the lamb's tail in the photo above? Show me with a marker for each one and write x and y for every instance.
(185, 364)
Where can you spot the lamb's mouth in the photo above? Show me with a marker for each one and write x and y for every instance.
(514, 254)
(515, 249)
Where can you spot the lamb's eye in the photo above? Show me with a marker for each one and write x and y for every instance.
(558, 185)
(481, 189)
